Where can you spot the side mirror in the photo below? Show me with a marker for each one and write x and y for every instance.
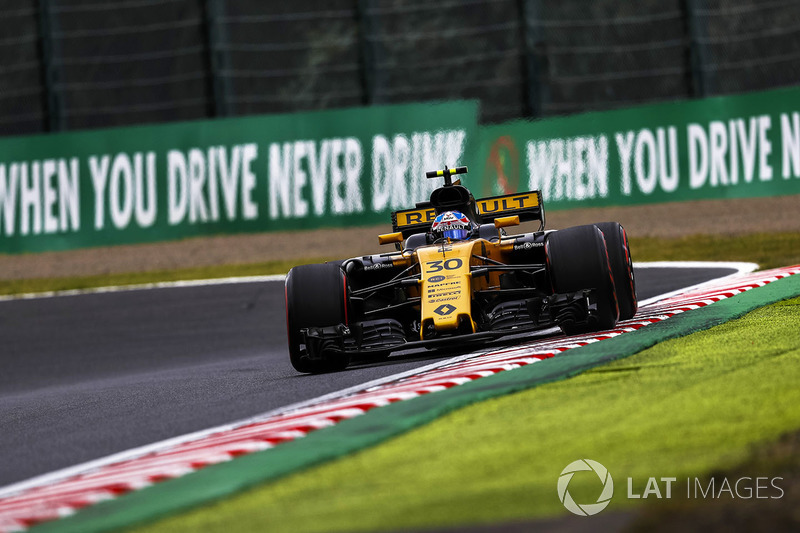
(389, 238)
(504, 222)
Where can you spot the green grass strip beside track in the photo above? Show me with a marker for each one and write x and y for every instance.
(220, 481)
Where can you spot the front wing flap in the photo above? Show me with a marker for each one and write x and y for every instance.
(387, 335)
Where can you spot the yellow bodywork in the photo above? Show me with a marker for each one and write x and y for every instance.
(446, 286)
(446, 292)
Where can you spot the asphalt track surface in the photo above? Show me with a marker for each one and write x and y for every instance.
(82, 377)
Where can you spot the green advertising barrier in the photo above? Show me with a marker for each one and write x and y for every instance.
(726, 147)
(278, 172)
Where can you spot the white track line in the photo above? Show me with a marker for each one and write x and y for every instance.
(741, 268)
(60, 475)
(144, 286)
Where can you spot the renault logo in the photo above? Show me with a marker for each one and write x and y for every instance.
(444, 310)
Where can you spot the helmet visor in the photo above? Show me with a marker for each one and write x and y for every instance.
(456, 234)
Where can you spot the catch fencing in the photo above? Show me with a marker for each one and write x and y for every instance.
(78, 64)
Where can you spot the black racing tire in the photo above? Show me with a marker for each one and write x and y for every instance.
(315, 297)
(619, 256)
(577, 259)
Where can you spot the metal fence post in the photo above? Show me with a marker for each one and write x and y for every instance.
(366, 57)
(700, 80)
(526, 67)
(536, 51)
(52, 101)
(217, 58)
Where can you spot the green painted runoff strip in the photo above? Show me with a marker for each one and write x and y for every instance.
(222, 480)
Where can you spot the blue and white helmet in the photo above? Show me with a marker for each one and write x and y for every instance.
(452, 224)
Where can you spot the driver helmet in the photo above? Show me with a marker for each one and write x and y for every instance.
(452, 224)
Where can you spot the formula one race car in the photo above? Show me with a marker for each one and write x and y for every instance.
(456, 277)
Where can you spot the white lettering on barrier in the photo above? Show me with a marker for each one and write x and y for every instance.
(128, 186)
(648, 159)
(334, 168)
(714, 156)
(319, 175)
(569, 169)
(69, 195)
(646, 174)
(399, 165)
(195, 181)
(249, 206)
(353, 164)
(40, 197)
(280, 179)
(718, 147)
(177, 187)
(300, 206)
(229, 177)
(746, 139)
(9, 180)
(198, 210)
(213, 183)
(381, 170)
(98, 168)
(669, 174)
(146, 199)
(30, 200)
(49, 196)
(790, 147)
(625, 149)
(337, 176)
(121, 191)
(764, 147)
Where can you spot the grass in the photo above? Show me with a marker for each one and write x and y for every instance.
(768, 250)
(681, 409)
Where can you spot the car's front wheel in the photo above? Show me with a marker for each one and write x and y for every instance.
(577, 259)
(316, 296)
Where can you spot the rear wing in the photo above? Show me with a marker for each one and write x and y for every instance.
(411, 221)
(526, 205)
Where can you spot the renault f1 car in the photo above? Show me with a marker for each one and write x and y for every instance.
(456, 277)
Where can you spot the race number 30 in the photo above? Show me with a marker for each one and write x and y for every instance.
(450, 264)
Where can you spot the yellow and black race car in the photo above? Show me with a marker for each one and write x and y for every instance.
(457, 277)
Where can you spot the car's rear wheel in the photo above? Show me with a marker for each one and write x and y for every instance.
(619, 256)
(577, 259)
(315, 297)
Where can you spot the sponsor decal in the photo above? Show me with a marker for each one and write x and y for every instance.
(450, 220)
(444, 310)
(508, 203)
(528, 246)
(415, 216)
(378, 266)
(436, 279)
